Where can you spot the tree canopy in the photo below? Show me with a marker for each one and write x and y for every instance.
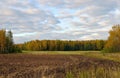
(63, 45)
(113, 42)
(6, 42)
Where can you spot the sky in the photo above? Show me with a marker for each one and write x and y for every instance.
(59, 19)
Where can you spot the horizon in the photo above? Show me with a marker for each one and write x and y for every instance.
(59, 19)
(61, 40)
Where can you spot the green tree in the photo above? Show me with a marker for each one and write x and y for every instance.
(113, 42)
(9, 42)
(6, 43)
(62, 45)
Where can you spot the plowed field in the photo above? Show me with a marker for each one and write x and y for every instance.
(49, 66)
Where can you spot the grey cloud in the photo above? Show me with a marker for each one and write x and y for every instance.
(75, 19)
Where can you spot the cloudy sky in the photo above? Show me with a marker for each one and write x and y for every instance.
(59, 19)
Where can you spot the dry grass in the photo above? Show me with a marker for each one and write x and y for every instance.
(73, 64)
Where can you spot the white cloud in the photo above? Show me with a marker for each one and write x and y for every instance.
(59, 19)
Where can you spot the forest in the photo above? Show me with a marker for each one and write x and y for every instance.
(63, 45)
(111, 45)
(60, 58)
(7, 43)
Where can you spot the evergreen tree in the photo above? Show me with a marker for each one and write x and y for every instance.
(62, 45)
(6, 43)
(9, 42)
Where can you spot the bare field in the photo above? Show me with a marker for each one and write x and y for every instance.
(57, 66)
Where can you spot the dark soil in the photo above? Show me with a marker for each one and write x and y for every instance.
(29, 65)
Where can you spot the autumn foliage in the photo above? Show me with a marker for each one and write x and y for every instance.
(113, 43)
(62, 45)
(6, 42)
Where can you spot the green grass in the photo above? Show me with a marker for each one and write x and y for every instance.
(93, 72)
(60, 52)
(95, 54)
(108, 56)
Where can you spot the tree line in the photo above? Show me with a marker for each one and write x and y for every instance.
(63, 45)
(111, 45)
(113, 42)
(6, 42)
